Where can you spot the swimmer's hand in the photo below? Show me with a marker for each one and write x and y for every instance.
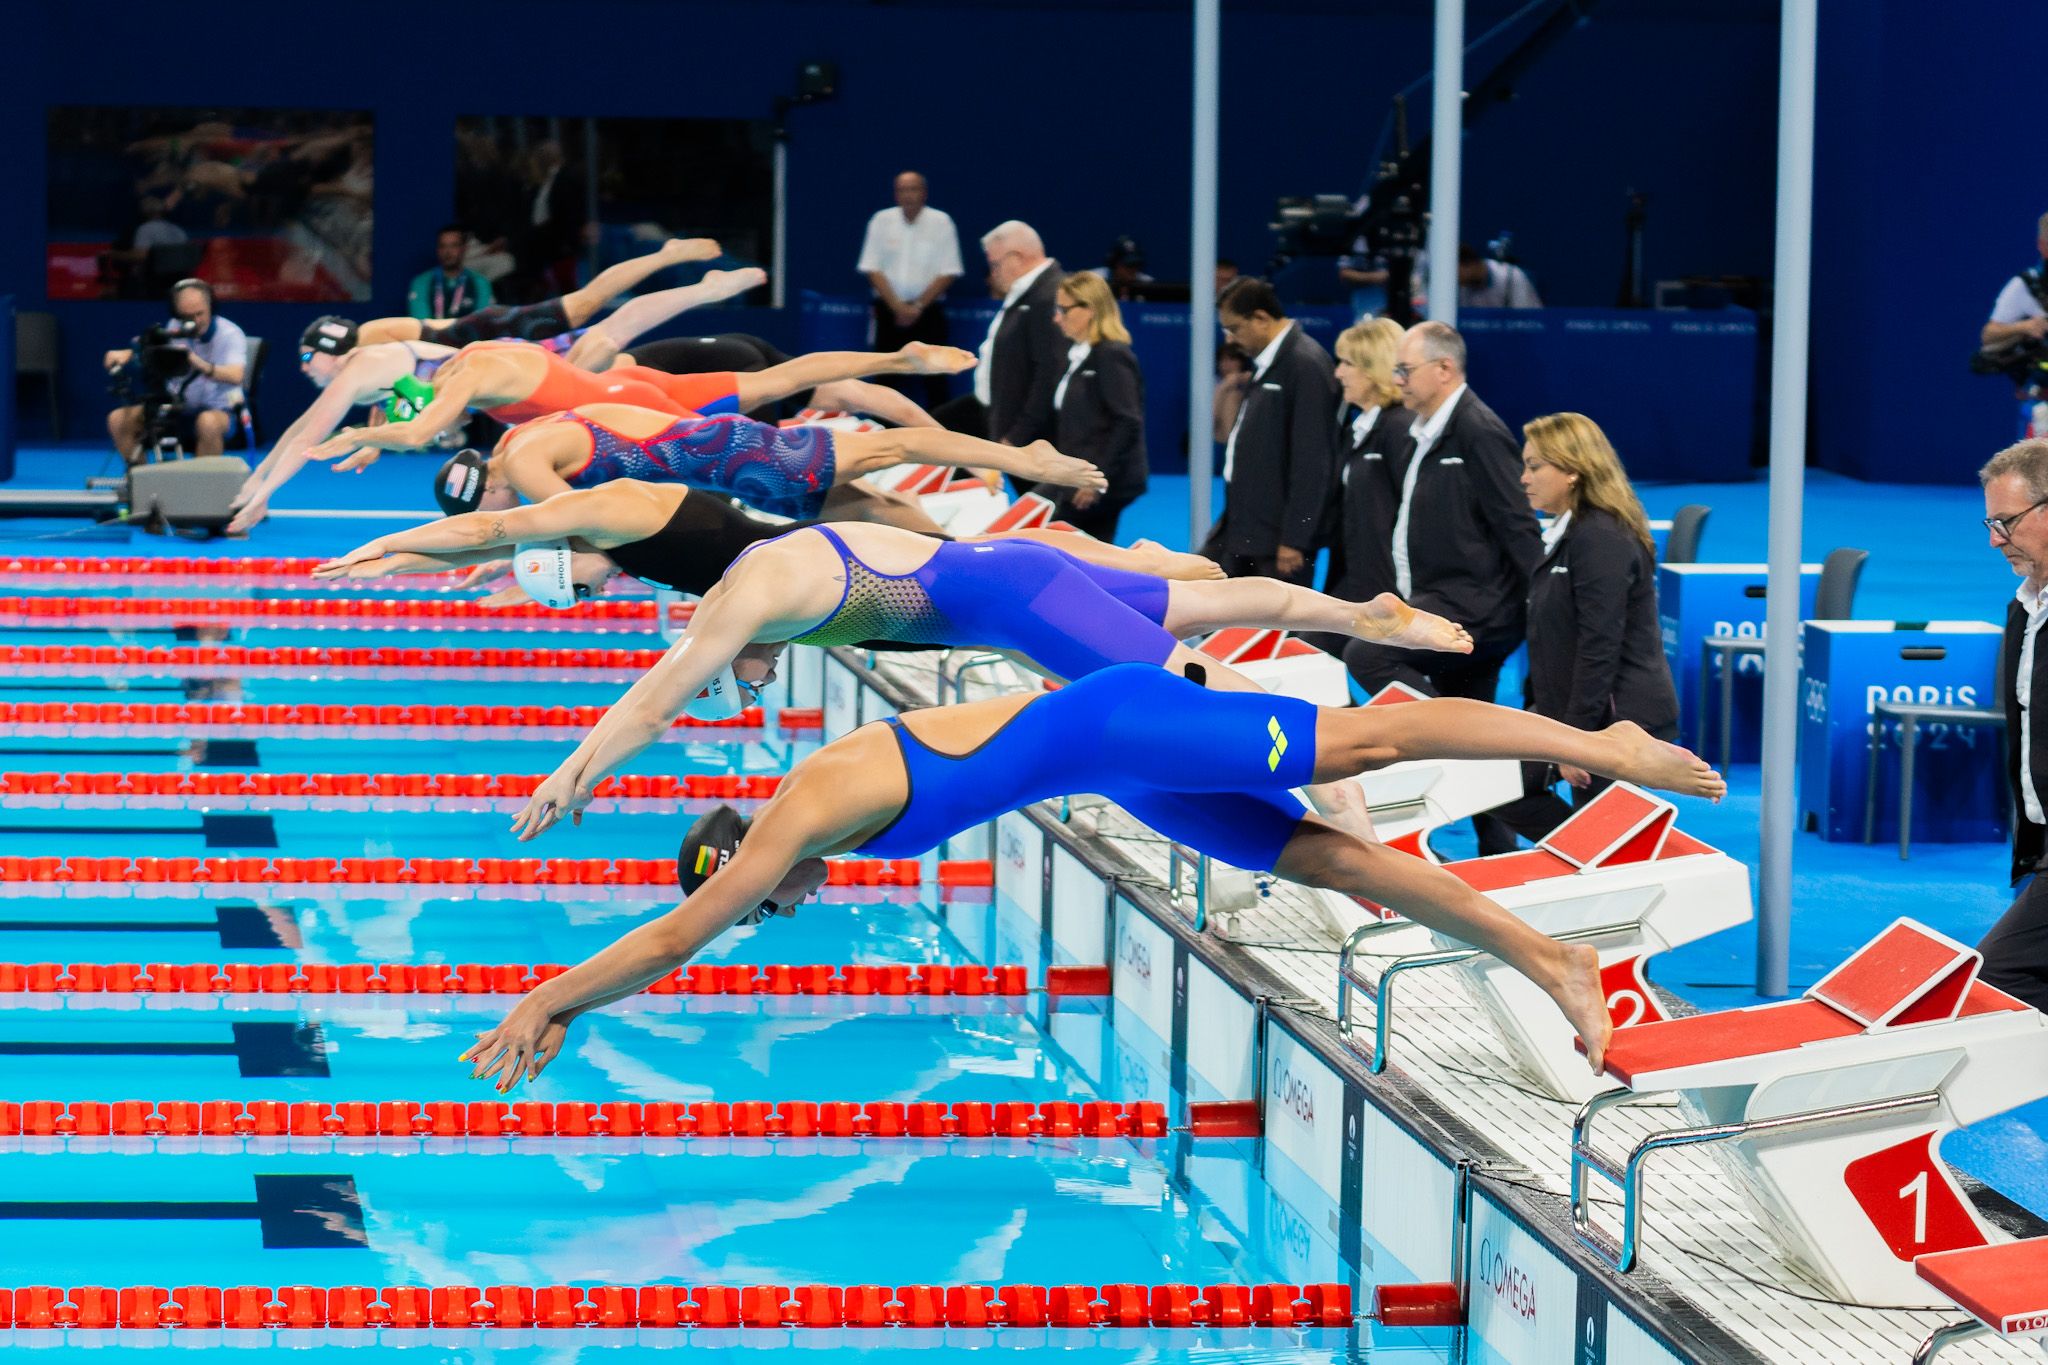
(518, 1049)
(247, 514)
(485, 572)
(346, 446)
(339, 566)
(559, 795)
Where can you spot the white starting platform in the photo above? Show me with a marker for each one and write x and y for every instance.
(1617, 875)
(1828, 1112)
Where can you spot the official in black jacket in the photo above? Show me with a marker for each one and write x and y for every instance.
(1372, 437)
(2016, 514)
(1279, 463)
(1023, 355)
(1098, 406)
(1596, 652)
(1461, 540)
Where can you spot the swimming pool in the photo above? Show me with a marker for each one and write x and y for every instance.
(333, 1155)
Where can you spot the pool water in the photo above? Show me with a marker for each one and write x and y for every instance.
(341, 1210)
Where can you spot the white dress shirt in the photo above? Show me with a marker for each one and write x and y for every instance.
(1076, 354)
(910, 252)
(1361, 427)
(987, 349)
(1260, 364)
(1554, 532)
(2036, 604)
(1424, 434)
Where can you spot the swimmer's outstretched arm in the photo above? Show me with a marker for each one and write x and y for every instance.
(579, 512)
(454, 387)
(598, 347)
(359, 381)
(822, 367)
(531, 1036)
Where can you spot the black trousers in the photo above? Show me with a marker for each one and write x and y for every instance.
(2016, 949)
(929, 389)
(1254, 566)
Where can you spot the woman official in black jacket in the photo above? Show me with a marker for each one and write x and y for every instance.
(1596, 653)
(1099, 407)
(1372, 440)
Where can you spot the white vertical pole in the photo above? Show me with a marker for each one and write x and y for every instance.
(1446, 159)
(1791, 295)
(1202, 269)
(776, 284)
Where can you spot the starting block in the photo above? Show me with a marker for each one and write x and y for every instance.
(2004, 1287)
(958, 501)
(1828, 1111)
(1282, 664)
(1408, 800)
(1617, 875)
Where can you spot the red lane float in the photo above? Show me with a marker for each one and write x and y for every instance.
(505, 978)
(36, 660)
(359, 791)
(283, 719)
(618, 1119)
(326, 613)
(920, 1306)
(175, 566)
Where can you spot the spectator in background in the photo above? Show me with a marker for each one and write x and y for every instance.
(1278, 460)
(1024, 353)
(2020, 313)
(1123, 269)
(1233, 377)
(1596, 650)
(208, 394)
(1366, 273)
(2015, 490)
(911, 256)
(156, 228)
(1372, 452)
(1099, 405)
(1482, 282)
(1462, 540)
(553, 227)
(1226, 271)
(451, 289)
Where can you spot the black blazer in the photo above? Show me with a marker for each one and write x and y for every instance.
(1030, 356)
(1359, 525)
(1285, 463)
(1472, 540)
(1101, 418)
(2029, 840)
(1596, 649)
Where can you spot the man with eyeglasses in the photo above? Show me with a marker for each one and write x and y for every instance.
(1280, 457)
(2015, 491)
(208, 395)
(1458, 533)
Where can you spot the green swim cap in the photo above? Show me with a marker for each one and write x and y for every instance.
(409, 398)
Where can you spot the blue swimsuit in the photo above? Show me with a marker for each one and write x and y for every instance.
(1211, 770)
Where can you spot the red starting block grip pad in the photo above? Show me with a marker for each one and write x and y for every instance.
(769, 1306)
(2004, 1285)
(1394, 693)
(1251, 644)
(1909, 974)
(505, 978)
(410, 1119)
(1027, 513)
(1623, 824)
(102, 659)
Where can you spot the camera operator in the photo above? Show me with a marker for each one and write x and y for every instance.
(190, 369)
(2012, 340)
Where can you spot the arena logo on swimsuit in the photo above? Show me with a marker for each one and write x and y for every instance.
(1279, 749)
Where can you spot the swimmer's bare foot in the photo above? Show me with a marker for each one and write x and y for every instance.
(1650, 762)
(1045, 464)
(677, 250)
(925, 358)
(1387, 620)
(1176, 564)
(1577, 992)
(728, 283)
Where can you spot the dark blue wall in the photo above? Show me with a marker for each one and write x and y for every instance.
(1928, 180)
(1073, 118)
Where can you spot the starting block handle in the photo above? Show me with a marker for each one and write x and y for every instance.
(1179, 856)
(1628, 1176)
(957, 678)
(1944, 1337)
(1380, 989)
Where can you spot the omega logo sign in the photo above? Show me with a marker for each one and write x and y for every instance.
(2031, 1322)
(1292, 1093)
(1135, 955)
(1510, 1283)
(1013, 848)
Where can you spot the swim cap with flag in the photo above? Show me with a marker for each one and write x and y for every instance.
(720, 698)
(329, 335)
(708, 846)
(542, 568)
(459, 487)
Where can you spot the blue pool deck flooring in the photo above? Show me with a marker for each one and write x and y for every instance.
(1929, 561)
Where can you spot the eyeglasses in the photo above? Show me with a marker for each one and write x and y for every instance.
(1403, 371)
(305, 357)
(1062, 309)
(2002, 527)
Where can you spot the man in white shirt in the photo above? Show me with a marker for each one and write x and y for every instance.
(2012, 336)
(1482, 282)
(911, 256)
(2016, 516)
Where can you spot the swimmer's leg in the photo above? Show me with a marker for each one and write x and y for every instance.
(864, 502)
(1357, 739)
(865, 452)
(584, 304)
(598, 347)
(1197, 608)
(1569, 973)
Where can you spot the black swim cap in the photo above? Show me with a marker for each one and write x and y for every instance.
(708, 846)
(331, 335)
(459, 487)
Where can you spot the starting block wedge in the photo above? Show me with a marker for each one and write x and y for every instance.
(1617, 875)
(1409, 799)
(1282, 664)
(1828, 1111)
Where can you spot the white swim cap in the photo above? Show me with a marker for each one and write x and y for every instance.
(720, 698)
(543, 570)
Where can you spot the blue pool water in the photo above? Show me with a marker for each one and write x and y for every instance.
(334, 1211)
